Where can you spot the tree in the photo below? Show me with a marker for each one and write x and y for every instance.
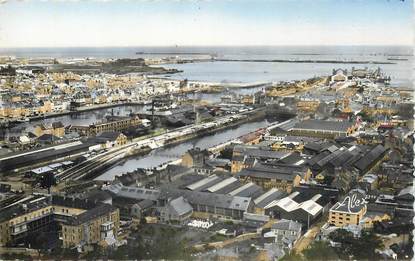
(341, 236)
(364, 247)
(320, 250)
(360, 248)
(345, 238)
(292, 256)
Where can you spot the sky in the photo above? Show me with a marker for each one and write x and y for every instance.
(71, 23)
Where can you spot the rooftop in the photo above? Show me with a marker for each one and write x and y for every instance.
(208, 199)
(352, 203)
(338, 126)
(287, 225)
(133, 192)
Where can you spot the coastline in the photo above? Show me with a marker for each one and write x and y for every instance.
(301, 61)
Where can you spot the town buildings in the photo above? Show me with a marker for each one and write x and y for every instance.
(295, 171)
(286, 233)
(81, 223)
(111, 124)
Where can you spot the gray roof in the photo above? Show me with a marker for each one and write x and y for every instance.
(180, 206)
(32, 203)
(100, 210)
(203, 183)
(244, 188)
(218, 162)
(255, 152)
(146, 203)
(208, 199)
(109, 135)
(289, 225)
(304, 139)
(280, 172)
(35, 202)
(370, 157)
(133, 192)
(408, 190)
(221, 184)
(340, 126)
(268, 197)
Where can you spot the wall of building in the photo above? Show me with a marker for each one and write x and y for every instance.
(90, 232)
(187, 160)
(19, 224)
(340, 219)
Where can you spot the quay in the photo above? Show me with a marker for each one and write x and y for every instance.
(89, 169)
(7, 122)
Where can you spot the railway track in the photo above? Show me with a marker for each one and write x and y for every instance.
(87, 167)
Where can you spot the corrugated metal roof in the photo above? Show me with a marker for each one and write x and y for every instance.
(240, 189)
(202, 182)
(221, 184)
(265, 195)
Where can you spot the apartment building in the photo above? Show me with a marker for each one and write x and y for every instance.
(350, 210)
(77, 222)
(111, 124)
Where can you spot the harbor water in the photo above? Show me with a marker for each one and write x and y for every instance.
(174, 152)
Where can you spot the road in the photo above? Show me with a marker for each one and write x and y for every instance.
(307, 239)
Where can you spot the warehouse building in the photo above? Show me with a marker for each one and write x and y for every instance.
(323, 128)
(209, 205)
(280, 176)
(306, 212)
(306, 204)
(244, 156)
(263, 200)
